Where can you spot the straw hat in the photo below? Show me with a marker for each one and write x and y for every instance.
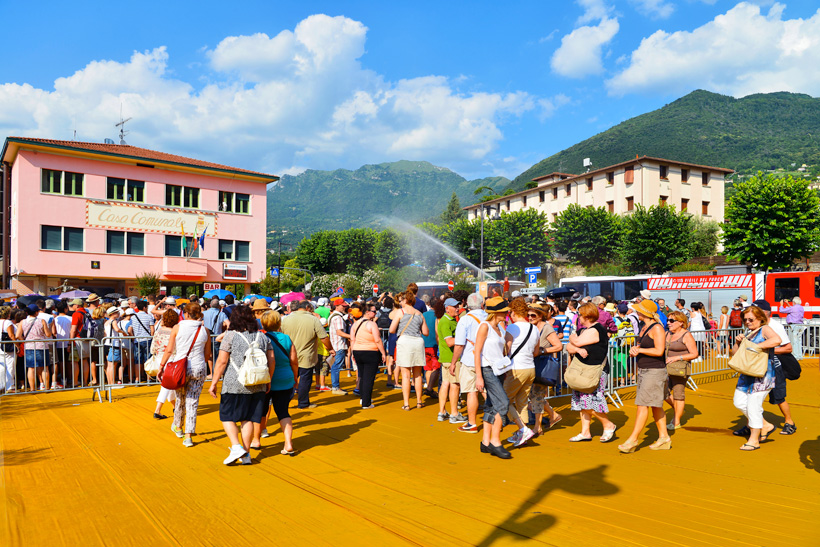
(496, 305)
(540, 308)
(610, 307)
(646, 308)
(260, 304)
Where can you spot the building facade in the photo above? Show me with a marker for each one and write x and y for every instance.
(97, 215)
(619, 188)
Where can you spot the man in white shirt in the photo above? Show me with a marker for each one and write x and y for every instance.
(466, 331)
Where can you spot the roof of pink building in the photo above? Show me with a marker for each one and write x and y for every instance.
(131, 152)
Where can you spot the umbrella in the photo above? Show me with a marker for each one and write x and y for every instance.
(561, 291)
(291, 296)
(71, 295)
(29, 299)
(218, 293)
(113, 295)
(254, 296)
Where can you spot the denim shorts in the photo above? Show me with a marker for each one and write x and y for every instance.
(140, 352)
(37, 358)
(114, 354)
(497, 402)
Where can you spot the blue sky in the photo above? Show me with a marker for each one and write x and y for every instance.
(479, 87)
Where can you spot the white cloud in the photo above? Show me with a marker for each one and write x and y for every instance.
(550, 104)
(580, 52)
(594, 10)
(272, 103)
(740, 52)
(660, 9)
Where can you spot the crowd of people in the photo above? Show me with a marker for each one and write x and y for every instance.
(502, 355)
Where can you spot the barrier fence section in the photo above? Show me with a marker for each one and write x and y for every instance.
(47, 364)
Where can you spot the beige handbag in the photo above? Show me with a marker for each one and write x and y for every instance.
(750, 359)
(583, 378)
(677, 368)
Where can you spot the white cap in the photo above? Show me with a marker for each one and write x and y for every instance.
(646, 294)
(130, 311)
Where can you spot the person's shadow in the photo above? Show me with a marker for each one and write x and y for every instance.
(810, 454)
(591, 482)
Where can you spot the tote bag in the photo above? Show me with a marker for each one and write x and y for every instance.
(750, 359)
(583, 378)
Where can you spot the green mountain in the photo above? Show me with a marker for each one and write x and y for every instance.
(762, 131)
(413, 191)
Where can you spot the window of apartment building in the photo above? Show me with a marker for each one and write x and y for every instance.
(124, 243)
(173, 196)
(555, 193)
(238, 251)
(554, 217)
(629, 174)
(705, 208)
(124, 190)
(664, 172)
(610, 177)
(610, 206)
(569, 190)
(704, 178)
(662, 200)
(684, 204)
(190, 197)
(173, 246)
(541, 196)
(508, 205)
(589, 184)
(61, 182)
(59, 238)
(684, 175)
(630, 203)
(230, 202)
(524, 200)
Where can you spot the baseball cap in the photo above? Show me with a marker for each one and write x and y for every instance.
(646, 294)
(339, 302)
(33, 307)
(78, 302)
(451, 302)
(170, 300)
(763, 305)
(516, 294)
(623, 307)
(130, 311)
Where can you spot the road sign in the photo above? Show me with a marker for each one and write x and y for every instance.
(451, 285)
(533, 270)
(274, 271)
(212, 286)
(533, 290)
(375, 288)
(532, 278)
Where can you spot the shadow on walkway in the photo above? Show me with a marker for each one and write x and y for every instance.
(810, 454)
(591, 482)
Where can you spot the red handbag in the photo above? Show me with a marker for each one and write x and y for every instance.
(173, 376)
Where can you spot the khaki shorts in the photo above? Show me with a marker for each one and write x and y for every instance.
(445, 373)
(678, 386)
(466, 377)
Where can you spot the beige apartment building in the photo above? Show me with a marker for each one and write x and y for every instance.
(619, 188)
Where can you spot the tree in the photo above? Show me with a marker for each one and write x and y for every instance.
(453, 211)
(656, 239)
(319, 252)
(147, 283)
(357, 249)
(392, 249)
(461, 235)
(772, 221)
(587, 236)
(517, 240)
(706, 236)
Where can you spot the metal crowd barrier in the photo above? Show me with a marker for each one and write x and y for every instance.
(805, 340)
(48, 364)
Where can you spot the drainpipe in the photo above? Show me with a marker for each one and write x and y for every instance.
(6, 220)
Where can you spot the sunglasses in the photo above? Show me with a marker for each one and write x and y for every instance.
(671, 320)
(532, 315)
(748, 319)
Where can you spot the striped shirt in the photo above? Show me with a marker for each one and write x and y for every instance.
(337, 322)
(563, 320)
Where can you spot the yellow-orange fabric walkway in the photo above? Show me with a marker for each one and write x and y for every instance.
(80, 472)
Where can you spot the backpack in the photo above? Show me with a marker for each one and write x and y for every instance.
(254, 370)
(736, 319)
(383, 322)
(626, 331)
(88, 328)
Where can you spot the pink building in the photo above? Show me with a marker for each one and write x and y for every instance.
(98, 215)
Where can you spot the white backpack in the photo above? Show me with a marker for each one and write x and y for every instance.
(254, 370)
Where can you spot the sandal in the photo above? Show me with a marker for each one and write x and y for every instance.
(405, 407)
(580, 439)
(287, 452)
(750, 449)
(765, 436)
(608, 434)
(554, 423)
(628, 447)
(420, 405)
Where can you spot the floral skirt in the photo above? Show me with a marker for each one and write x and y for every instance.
(591, 401)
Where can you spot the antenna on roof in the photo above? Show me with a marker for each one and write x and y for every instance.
(587, 163)
(121, 125)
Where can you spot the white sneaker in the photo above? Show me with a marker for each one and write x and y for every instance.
(264, 434)
(246, 459)
(526, 435)
(515, 436)
(236, 452)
